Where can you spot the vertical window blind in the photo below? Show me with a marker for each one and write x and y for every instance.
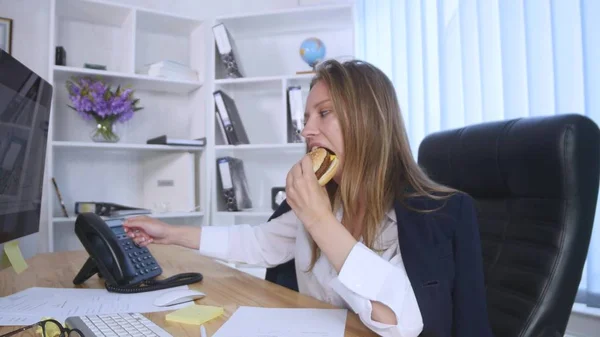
(462, 62)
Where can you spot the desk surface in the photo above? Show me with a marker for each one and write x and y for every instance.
(223, 286)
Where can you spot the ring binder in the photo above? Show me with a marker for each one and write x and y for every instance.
(234, 184)
(295, 114)
(226, 51)
(230, 119)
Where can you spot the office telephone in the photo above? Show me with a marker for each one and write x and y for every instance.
(125, 267)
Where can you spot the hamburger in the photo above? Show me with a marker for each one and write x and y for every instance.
(325, 164)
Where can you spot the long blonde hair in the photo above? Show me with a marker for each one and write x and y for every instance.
(377, 157)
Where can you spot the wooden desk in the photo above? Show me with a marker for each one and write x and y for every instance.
(223, 286)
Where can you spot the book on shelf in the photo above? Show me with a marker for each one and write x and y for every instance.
(170, 69)
(227, 51)
(229, 117)
(166, 140)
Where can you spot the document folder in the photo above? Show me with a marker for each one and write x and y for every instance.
(230, 119)
(295, 114)
(226, 50)
(234, 186)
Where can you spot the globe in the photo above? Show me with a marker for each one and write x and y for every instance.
(312, 51)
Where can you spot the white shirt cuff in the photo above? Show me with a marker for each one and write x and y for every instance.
(366, 277)
(359, 305)
(214, 242)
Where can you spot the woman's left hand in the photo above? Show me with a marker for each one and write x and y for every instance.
(305, 196)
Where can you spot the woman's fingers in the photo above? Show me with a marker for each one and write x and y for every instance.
(134, 233)
(297, 171)
(307, 169)
(137, 221)
(141, 241)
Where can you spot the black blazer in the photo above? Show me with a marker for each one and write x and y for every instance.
(441, 251)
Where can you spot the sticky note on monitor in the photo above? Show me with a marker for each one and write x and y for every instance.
(4, 262)
(12, 254)
(195, 314)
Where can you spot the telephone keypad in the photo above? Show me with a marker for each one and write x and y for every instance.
(145, 269)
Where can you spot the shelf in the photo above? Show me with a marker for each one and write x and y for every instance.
(290, 20)
(123, 149)
(258, 213)
(166, 215)
(123, 146)
(262, 147)
(136, 81)
(257, 79)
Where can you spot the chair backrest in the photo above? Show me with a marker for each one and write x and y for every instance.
(535, 184)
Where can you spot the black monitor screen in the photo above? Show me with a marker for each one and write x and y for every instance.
(24, 118)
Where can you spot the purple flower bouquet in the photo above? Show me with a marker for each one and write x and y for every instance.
(94, 100)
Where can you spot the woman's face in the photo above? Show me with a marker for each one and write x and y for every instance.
(322, 127)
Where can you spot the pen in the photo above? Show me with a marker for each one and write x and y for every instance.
(203, 331)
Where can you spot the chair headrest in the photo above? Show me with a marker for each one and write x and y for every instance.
(553, 156)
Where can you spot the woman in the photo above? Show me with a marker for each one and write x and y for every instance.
(380, 239)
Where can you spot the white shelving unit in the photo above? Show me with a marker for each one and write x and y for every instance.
(124, 39)
(267, 46)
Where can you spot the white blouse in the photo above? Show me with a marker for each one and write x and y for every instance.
(367, 275)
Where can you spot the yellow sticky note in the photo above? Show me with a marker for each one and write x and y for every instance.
(13, 252)
(4, 263)
(51, 329)
(195, 314)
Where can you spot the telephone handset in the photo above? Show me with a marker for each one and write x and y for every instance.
(125, 267)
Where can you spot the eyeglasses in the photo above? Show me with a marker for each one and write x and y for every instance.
(45, 328)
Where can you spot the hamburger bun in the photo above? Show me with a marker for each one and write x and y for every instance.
(325, 164)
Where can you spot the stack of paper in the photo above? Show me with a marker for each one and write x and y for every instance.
(171, 69)
(30, 305)
(275, 322)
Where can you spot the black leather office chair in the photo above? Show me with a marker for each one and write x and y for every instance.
(535, 182)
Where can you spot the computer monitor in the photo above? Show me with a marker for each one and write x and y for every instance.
(25, 100)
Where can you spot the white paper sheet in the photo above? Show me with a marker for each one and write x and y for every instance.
(30, 305)
(287, 322)
(9, 320)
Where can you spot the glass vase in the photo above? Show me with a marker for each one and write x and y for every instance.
(105, 131)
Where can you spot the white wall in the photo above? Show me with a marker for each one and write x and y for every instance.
(584, 321)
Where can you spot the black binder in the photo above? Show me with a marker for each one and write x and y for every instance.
(227, 51)
(230, 119)
(234, 185)
(295, 114)
(108, 209)
(164, 140)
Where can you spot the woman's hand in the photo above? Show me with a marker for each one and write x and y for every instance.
(305, 196)
(145, 230)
